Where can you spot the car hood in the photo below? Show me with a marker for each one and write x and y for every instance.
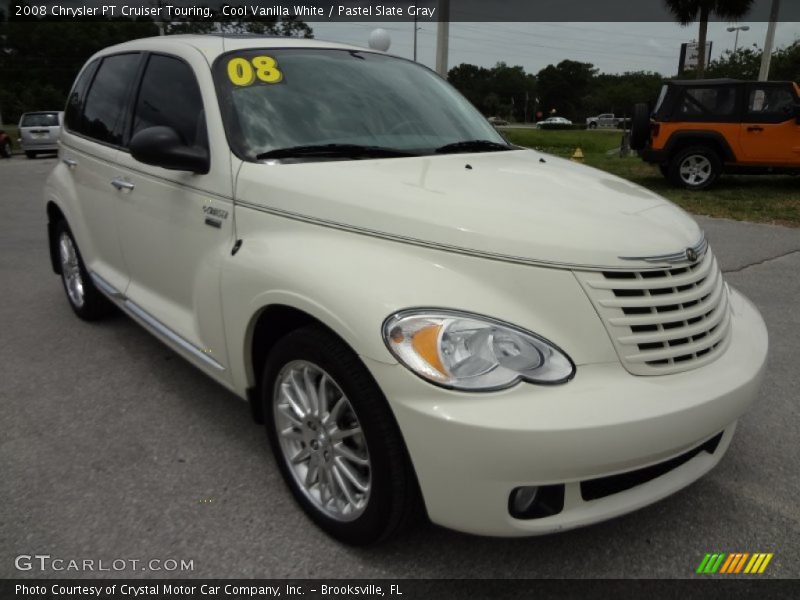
(518, 205)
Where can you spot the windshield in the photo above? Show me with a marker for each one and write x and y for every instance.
(39, 120)
(277, 99)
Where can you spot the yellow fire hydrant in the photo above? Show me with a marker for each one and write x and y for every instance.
(577, 156)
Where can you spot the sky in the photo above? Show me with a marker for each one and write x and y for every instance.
(612, 47)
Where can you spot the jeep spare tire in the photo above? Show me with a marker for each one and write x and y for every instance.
(640, 126)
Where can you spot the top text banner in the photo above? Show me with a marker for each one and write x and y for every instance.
(355, 10)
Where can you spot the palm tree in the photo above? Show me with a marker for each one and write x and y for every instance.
(687, 12)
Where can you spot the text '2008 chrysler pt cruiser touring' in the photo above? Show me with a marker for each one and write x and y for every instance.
(425, 317)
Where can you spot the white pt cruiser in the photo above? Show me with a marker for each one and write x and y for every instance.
(425, 317)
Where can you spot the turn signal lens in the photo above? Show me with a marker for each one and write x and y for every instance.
(470, 352)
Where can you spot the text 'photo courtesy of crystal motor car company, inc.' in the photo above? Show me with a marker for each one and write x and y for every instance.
(426, 318)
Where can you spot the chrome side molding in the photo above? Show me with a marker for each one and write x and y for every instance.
(155, 326)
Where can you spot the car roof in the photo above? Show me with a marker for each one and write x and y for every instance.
(212, 45)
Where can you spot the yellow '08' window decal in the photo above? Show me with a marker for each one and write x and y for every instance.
(243, 72)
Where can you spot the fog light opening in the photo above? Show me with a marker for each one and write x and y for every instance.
(522, 499)
(536, 502)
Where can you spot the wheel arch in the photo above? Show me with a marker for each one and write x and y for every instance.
(684, 139)
(54, 215)
(267, 326)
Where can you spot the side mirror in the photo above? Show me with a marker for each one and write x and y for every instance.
(163, 147)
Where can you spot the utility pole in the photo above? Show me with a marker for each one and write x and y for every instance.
(443, 37)
(766, 58)
(415, 37)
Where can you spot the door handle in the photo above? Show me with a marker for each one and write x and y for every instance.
(756, 128)
(70, 162)
(121, 184)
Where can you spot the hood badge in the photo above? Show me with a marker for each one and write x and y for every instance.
(691, 254)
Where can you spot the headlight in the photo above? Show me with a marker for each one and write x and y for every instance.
(471, 352)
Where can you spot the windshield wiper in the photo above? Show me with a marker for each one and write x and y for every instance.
(334, 150)
(472, 146)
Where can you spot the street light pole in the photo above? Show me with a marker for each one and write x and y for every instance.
(737, 29)
(415, 37)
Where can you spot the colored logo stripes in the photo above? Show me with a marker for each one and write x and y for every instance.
(735, 562)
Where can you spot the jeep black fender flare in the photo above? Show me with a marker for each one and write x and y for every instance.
(689, 137)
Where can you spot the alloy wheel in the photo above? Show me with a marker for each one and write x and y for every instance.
(695, 170)
(321, 440)
(71, 270)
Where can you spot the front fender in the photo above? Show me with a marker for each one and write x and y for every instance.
(352, 282)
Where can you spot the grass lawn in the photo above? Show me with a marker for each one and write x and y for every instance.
(766, 199)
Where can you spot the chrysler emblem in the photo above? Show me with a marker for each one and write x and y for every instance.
(691, 254)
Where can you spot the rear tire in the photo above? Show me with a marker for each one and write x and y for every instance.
(592, 125)
(85, 299)
(696, 168)
(664, 169)
(5, 149)
(304, 428)
(30, 154)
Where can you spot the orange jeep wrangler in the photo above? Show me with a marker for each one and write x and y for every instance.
(702, 128)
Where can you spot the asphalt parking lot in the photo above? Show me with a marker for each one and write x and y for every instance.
(114, 447)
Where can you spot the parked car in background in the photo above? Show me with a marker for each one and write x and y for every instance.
(426, 318)
(497, 121)
(5, 145)
(39, 131)
(554, 122)
(701, 129)
(604, 120)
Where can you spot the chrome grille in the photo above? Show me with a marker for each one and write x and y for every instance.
(663, 320)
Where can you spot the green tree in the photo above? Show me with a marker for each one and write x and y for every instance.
(687, 12)
(562, 88)
(39, 59)
(746, 62)
(786, 63)
(500, 91)
(285, 27)
(618, 93)
(742, 64)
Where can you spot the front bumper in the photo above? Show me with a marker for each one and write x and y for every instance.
(471, 450)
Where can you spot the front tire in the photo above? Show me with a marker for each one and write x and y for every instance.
(30, 154)
(5, 149)
(335, 439)
(696, 168)
(84, 298)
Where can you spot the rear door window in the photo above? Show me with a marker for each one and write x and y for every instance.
(169, 96)
(106, 102)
